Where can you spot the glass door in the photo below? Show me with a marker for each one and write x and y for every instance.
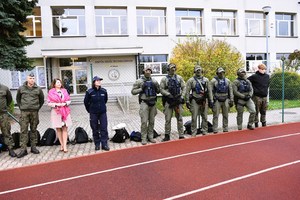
(81, 81)
(67, 79)
(74, 79)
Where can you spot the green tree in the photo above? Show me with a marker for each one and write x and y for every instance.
(13, 15)
(210, 54)
(293, 61)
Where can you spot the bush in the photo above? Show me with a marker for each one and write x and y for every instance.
(291, 86)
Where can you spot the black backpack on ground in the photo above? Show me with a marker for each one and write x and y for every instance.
(155, 134)
(3, 145)
(188, 128)
(81, 136)
(136, 136)
(48, 137)
(120, 136)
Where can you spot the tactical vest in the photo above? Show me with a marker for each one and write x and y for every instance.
(149, 89)
(244, 86)
(222, 86)
(174, 86)
(198, 88)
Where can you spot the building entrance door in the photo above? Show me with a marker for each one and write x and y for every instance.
(74, 79)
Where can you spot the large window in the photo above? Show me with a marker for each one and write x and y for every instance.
(151, 21)
(18, 78)
(255, 24)
(111, 21)
(253, 60)
(285, 25)
(34, 24)
(188, 22)
(224, 23)
(68, 21)
(158, 63)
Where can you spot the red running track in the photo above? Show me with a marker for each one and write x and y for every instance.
(259, 164)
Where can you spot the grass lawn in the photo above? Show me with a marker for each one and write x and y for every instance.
(273, 105)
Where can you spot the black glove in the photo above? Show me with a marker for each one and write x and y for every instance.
(211, 104)
(188, 105)
(230, 103)
(170, 96)
(247, 97)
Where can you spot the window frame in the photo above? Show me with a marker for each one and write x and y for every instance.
(153, 64)
(159, 20)
(261, 22)
(21, 77)
(290, 24)
(231, 22)
(34, 19)
(196, 19)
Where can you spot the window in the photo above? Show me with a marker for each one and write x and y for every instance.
(18, 78)
(224, 23)
(111, 21)
(158, 63)
(68, 21)
(188, 22)
(34, 24)
(253, 60)
(255, 24)
(285, 25)
(151, 21)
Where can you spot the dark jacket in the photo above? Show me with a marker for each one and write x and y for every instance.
(95, 100)
(30, 98)
(260, 83)
(5, 98)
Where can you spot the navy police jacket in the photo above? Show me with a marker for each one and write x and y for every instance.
(95, 100)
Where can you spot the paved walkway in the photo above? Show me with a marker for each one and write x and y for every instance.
(115, 116)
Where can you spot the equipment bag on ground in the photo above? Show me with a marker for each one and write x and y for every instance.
(81, 136)
(120, 136)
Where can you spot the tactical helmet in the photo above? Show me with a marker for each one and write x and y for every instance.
(240, 71)
(171, 65)
(198, 67)
(147, 68)
(220, 70)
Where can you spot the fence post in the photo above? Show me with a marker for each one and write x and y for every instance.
(282, 58)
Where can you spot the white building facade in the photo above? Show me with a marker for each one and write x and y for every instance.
(75, 40)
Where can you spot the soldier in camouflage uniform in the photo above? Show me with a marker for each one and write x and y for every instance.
(5, 101)
(243, 91)
(172, 87)
(147, 88)
(30, 99)
(196, 99)
(220, 97)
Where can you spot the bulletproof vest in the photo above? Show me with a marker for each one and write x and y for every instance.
(174, 85)
(149, 89)
(244, 86)
(198, 89)
(222, 86)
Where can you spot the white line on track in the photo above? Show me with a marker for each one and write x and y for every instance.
(144, 163)
(232, 180)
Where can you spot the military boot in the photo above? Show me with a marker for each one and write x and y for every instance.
(151, 140)
(264, 124)
(256, 124)
(250, 127)
(167, 138)
(34, 150)
(22, 153)
(11, 153)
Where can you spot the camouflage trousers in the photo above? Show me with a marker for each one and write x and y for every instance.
(28, 118)
(147, 114)
(224, 107)
(168, 117)
(261, 106)
(240, 111)
(199, 109)
(5, 129)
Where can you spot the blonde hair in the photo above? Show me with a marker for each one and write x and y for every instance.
(262, 66)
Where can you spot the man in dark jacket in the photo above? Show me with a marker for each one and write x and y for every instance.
(260, 83)
(30, 99)
(5, 101)
(95, 103)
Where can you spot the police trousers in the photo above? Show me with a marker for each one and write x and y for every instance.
(98, 123)
(5, 129)
(147, 114)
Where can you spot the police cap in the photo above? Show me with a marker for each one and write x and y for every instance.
(97, 78)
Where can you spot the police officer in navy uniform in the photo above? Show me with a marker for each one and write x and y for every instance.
(243, 91)
(147, 88)
(172, 88)
(95, 103)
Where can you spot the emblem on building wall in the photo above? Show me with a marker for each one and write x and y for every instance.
(113, 74)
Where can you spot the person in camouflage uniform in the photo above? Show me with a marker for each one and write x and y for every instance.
(243, 91)
(196, 99)
(147, 88)
(172, 88)
(30, 99)
(5, 101)
(220, 97)
(260, 82)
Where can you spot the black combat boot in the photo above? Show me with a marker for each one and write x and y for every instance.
(22, 153)
(11, 153)
(264, 124)
(256, 124)
(34, 150)
(167, 138)
(250, 127)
